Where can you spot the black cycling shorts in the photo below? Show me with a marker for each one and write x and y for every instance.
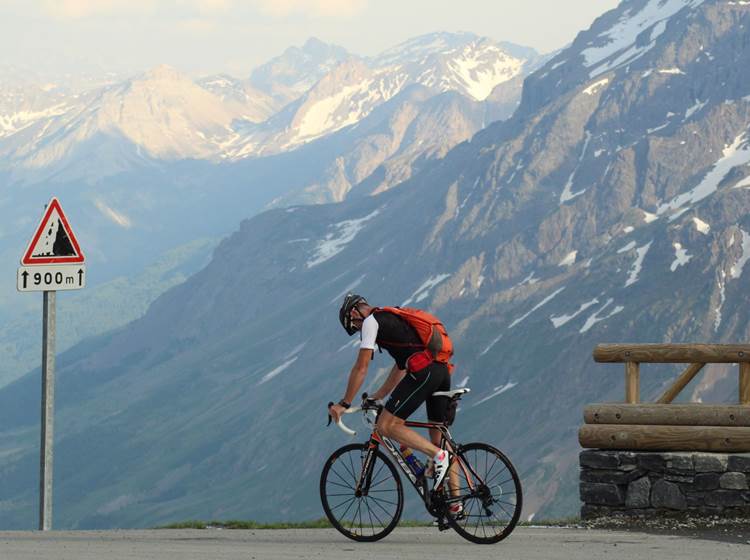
(416, 388)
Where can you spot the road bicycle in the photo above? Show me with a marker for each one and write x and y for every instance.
(363, 497)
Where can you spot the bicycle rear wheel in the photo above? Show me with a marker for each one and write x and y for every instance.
(368, 515)
(489, 491)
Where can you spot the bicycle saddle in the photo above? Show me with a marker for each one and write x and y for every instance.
(452, 393)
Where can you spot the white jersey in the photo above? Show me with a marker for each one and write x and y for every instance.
(369, 333)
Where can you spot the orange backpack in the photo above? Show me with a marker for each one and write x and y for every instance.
(430, 330)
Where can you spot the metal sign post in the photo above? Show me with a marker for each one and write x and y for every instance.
(52, 261)
(48, 411)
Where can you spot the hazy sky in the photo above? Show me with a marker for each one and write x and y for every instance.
(210, 36)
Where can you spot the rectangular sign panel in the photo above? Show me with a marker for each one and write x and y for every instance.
(40, 278)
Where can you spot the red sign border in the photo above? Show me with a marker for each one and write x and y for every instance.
(54, 204)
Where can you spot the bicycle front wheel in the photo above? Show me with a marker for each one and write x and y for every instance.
(489, 492)
(370, 513)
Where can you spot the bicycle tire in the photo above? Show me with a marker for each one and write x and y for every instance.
(483, 500)
(384, 477)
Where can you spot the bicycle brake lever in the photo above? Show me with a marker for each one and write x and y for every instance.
(330, 404)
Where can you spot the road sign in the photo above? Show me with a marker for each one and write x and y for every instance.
(53, 261)
(53, 242)
(51, 277)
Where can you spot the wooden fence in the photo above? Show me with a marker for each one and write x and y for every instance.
(662, 425)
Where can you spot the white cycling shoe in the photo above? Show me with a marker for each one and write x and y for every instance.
(441, 463)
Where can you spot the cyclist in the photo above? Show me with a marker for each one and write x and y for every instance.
(407, 389)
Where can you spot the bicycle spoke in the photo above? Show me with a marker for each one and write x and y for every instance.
(343, 479)
(351, 462)
(489, 480)
(338, 484)
(376, 515)
(369, 514)
(386, 479)
(382, 500)
(359, 512)
(381, 507)
(344, 502)
(347, 510)
(382, 466)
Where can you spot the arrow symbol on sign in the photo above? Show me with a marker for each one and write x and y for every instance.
(80, 277)
(25, 277)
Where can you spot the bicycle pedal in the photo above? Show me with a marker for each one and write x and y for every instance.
(441, 525)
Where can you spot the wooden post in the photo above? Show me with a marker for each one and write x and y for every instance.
(632, 382)
(745, 383)
(685, 378)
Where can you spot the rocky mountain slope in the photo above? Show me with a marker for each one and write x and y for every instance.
(613, 206)
(137, 159)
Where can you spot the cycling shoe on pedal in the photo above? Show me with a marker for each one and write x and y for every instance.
(456, 511)
(441, 462)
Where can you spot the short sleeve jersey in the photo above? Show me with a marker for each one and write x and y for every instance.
(392, 333)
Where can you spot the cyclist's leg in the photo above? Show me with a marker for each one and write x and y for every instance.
(408, 395)
(436, 412)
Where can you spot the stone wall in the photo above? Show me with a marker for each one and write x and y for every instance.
(648, 484)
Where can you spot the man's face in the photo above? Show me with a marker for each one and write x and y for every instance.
(357, 317)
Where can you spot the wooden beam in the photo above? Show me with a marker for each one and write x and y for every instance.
(665, 438)
(680, 383)
(668, 414)
(673, 353)
(632, 382)
(744, 383)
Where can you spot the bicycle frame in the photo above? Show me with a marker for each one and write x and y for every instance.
(419, 484)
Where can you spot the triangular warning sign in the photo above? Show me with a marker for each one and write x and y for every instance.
(53, 242)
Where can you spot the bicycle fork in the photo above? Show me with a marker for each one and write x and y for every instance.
(365, 476)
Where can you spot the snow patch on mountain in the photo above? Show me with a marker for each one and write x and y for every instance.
(499, 390)
(673, 71)
(736, 153)
(336, 241)
(635, 270)
(595, 317)
(736, 270)
(681, 257)
(481, 69)
(695, 108)
(621, 37)
(424, 290)
(721, 283)
(537, 306)
(568, 193)
(117, 217)
(348, 288)
(491, 344)
(13, 122)
(560, 320)
(701, 226)
(596, 86)
(321, 117)
(569, 259)
(276, 371)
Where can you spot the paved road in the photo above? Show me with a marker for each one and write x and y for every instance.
(407, 544)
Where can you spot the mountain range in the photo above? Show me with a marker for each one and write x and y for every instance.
(612, 206)
(148, 164)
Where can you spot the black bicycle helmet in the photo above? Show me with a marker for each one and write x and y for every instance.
(350, 301)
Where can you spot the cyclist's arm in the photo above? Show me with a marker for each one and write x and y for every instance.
(393, 379)
(357, 375)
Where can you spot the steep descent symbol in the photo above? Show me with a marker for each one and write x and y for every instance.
(53, 242)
